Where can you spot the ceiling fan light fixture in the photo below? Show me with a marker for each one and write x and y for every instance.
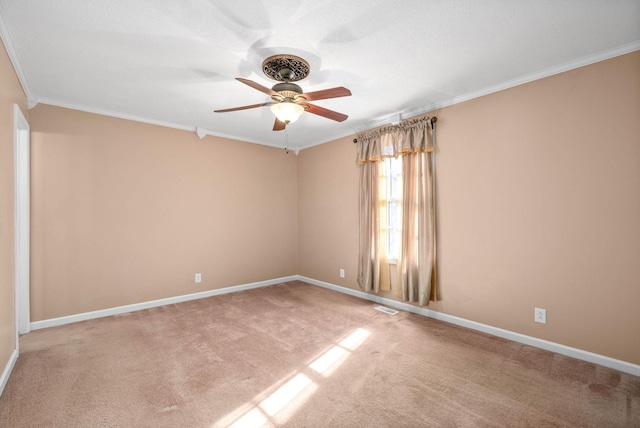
(287, 112)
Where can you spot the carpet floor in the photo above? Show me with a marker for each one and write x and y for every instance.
(298, 355)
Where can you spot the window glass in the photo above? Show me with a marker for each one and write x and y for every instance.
(393, 178)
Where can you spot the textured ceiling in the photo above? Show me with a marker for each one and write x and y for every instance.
(173, 63)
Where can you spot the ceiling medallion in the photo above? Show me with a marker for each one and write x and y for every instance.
(297, 68)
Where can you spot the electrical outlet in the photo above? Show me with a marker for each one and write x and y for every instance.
(540, 315)
(198, 277)
(341, 273)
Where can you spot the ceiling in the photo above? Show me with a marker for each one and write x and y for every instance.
(173, 63)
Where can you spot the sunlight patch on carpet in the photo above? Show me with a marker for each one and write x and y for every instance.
(252, 419)
(329, 360)
(285, 394)
(326, 363)
(279, 405)
(355, 339)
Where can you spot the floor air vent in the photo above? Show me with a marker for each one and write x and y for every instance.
(385, 310)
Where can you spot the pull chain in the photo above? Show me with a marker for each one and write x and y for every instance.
(286, 141)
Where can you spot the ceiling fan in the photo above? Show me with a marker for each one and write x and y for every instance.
(288, 99)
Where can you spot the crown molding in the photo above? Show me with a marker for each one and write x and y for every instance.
(95, 110)
(201, 132)
(13, 57)
(548, 72)
(380, 121)
(568, 66)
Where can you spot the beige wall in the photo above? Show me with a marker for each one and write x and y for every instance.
(327, 212)
(126, 212)
(539, 206)
(10, 93)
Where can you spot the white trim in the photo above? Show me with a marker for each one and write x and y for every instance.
(21, 162)
(95, 110)
(623, 366)
(201, 132)
(393, 117)
(204, 132)
(572, 65)
(53, 322)
(380, 121)
(579, 354)
(13, 57)
(8, 369)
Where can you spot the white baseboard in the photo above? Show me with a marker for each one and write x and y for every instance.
(579, 354)
(8, 369)
(36, 325)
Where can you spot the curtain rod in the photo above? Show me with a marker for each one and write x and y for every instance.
(434, 119)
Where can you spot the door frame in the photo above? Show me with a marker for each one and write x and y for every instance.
(22, 160)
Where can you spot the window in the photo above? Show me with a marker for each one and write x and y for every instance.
(397, 209)
(393, 186)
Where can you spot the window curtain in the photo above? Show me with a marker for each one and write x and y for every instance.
(416, 266)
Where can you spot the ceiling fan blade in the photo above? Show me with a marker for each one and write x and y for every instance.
(327, 93)
(279, 125)
(329, 114)
(244, 107)
(257, 86)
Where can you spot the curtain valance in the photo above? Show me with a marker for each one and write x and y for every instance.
(410, 136)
